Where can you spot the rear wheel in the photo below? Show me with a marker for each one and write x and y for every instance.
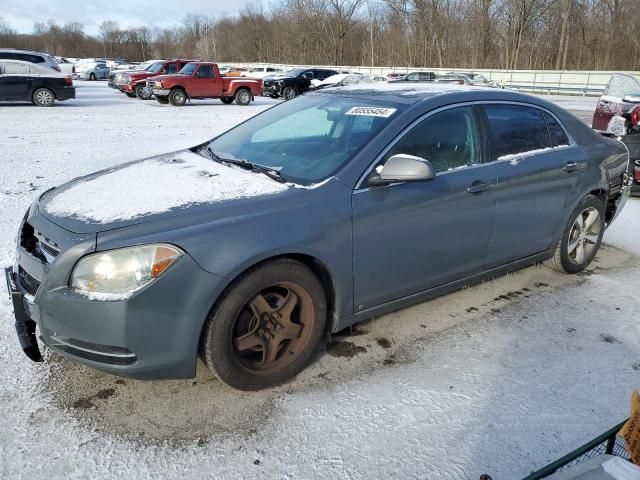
(143, 93)
(92, 76)
(227, 100)
(177, 97)
(581, 239)
(162, 100)
(267, 326)
(243, 97)
(289, 92)
(43, 97)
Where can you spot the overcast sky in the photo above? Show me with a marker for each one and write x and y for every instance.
(21, 15)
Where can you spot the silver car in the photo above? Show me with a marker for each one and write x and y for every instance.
(43, 59)
(92, 71)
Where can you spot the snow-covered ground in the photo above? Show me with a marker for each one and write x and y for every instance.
(499, 378)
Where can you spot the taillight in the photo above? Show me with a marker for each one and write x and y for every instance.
(68, 80)
(635, 116)
(636, 171)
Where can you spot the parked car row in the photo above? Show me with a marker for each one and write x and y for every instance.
(33, 82)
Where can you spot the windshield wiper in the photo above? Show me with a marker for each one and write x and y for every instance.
(270, 172)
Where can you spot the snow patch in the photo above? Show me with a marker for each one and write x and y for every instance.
(617, 125)
(531, 153)
(155, 186)
(105, 297)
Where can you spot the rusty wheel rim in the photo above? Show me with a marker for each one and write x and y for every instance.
(273, 328)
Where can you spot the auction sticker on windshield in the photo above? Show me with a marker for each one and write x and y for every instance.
(371, 111)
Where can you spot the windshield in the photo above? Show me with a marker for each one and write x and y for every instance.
(155, 67)
(188, 69)
(309, 138)
(294, 73)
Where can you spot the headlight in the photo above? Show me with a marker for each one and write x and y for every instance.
(117, 274)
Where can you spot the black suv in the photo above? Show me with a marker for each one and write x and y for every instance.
(294, 82)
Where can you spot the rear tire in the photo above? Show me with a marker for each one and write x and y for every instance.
(92, 76)
(162, 100)
(177, 97)
(267, 326)
(581, 238)
(43, 97)
(243, 97)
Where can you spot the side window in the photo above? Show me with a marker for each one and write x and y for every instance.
(558, 137)
(447, 139)
(170, 69)
(6, 56)
(205, 71)
(516, 129)
(413, 77)
(16, 69)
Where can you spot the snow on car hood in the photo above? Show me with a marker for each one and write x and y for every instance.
(152, 186)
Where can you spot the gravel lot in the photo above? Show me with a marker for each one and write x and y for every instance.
(500, 378)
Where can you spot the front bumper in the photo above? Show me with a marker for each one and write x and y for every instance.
(271, 91)
(161, 92)
(152, 335)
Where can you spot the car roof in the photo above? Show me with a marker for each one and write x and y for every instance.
(417, 93)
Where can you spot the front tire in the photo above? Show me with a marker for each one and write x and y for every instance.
(243, 97)
(177, 97)
(581, 239)
(289, 92)
(143, 93)
(43, 97)
(267, 326)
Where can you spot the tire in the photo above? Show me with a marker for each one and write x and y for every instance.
(273, 96)
(143, 93)
(92, 76)
(243, 97)
(162, 100)
(581, 238)
(43, 97)
(280, 306)
(177, 97)
(227, 100)
(289, 92)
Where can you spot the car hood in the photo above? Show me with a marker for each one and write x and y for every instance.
(154, 188)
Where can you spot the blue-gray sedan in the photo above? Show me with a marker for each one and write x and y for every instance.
(317, 213)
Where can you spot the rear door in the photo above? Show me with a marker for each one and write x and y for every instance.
(410, 237)
(17, 81)
(538, 167)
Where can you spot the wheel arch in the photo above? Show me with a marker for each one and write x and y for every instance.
(319, 268)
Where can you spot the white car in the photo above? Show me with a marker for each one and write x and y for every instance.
(66, 66)
(342, 79)
(92, 71)
(261, 72)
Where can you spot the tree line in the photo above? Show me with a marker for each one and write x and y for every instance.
(501, 34)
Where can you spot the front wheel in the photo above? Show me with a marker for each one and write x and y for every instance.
(143, 93)
(177, 97)
(267, 327)
(581, 239)
(43, 97)
(243, 97)
(289, 93)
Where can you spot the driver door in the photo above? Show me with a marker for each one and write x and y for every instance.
(413, 236)
(203, 83)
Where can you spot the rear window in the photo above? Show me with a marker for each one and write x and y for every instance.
(556, 132)
(16, 69)
(516, 129)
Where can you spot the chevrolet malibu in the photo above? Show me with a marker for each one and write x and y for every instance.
(318, 213)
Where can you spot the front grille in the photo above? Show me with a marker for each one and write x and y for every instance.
(37, 244)
(27, 282)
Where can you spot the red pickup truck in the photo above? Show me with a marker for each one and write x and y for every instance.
(203, 80)
(134, 84)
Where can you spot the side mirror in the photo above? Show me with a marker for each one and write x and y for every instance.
(403, 168)
(633, 98)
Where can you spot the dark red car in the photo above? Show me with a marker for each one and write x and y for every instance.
(135, 84)
(618, 113)
(199, 80)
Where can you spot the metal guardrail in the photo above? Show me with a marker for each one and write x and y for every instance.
(570, 82)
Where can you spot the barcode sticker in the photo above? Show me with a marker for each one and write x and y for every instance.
(371, 111)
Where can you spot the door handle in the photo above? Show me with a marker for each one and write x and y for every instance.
(571, 167)
(478, 187)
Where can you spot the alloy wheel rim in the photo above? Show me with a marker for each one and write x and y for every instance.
(273, 327)
(244, 97)
(44, 97)
(290, 94)
(178, 97)
(584, 235)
